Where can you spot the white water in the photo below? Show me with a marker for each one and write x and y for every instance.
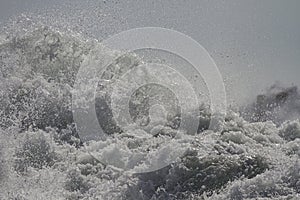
(37, 72)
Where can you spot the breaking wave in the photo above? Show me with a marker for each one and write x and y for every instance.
(255, 156)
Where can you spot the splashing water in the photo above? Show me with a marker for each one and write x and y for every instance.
(42, 157)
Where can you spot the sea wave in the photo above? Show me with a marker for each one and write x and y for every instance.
(255, 156)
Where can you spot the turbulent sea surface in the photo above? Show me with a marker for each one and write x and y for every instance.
(255, 156)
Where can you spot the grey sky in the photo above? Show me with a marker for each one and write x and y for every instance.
(254, 42)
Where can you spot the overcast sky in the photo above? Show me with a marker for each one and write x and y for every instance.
(254, 42)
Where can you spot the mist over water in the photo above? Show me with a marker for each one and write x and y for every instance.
(254, 155)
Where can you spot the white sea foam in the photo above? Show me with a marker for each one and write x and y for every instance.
(247, 160)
